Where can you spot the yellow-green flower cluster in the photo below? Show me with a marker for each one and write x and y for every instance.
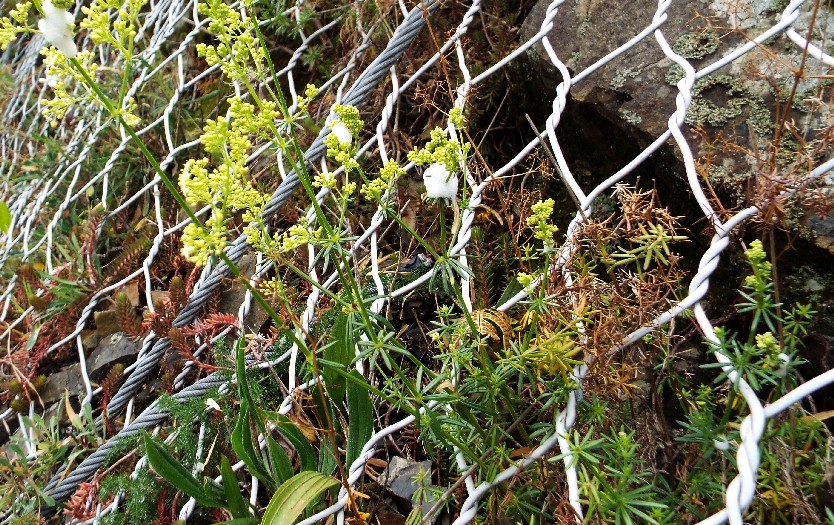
(456, 117)
(325, 179)
(442, 150)
(225, 187)
(338, 148)
(761, 267)
(304, 100)
(124, 27)
(540, 222)
(524, 279)
(375, 189)
(58, 71)
(237, 49)
(199, 244)
(298, 235)
(9, 30)
(768, 343)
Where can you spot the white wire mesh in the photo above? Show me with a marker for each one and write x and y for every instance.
(167, 37)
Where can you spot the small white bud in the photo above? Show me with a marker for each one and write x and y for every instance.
(55, 28)
(440, 184)
(721, 444)
(342, 132)
(211, 403)
(782, 371)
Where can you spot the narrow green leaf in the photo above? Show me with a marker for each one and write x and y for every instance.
(296, 438)
(5, 218)
(244, 391)
(245, 450)
(327, 458)
(237, 505)
(176, 474)
(339, 351)
(360, 417)
(281, 464)
(291, 498)
(512, 288)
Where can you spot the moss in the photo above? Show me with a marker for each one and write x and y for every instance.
(140, 498)
(703, 111)
(698, 44)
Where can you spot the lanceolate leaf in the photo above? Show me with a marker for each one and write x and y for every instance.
(243, 447)
(281, 464)
(176, 474)
(242, 434)
(305, 451)
(340, 352)
(291, 498)
(236, 504)
(360, 418)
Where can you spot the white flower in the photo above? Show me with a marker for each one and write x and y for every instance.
(342, 132)
(56, 28)
(440, 184)
(50, 80)
(782, 371)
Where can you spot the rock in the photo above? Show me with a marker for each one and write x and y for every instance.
(116, 348)
(233, 293)
(131, 290)
(636, 91)
(66, 379)
(158, 298)
(89, 340)
(107, 323)
(399, 480)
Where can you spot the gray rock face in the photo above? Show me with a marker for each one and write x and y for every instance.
(66, 379)
(113, 349)
(399, 480)
(636, 91)
(234, 292)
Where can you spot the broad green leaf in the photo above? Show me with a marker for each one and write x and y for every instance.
(240, 521)
(291, 498)
(296, 438)
(360, 417)
(5, 218)
(237, 505)
(176, 474)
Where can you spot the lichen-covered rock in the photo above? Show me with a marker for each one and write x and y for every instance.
(736, 105)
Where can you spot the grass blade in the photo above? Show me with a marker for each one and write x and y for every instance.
(176, 474)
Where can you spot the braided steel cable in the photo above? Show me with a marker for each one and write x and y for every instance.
(361, 88)
(366, 82)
